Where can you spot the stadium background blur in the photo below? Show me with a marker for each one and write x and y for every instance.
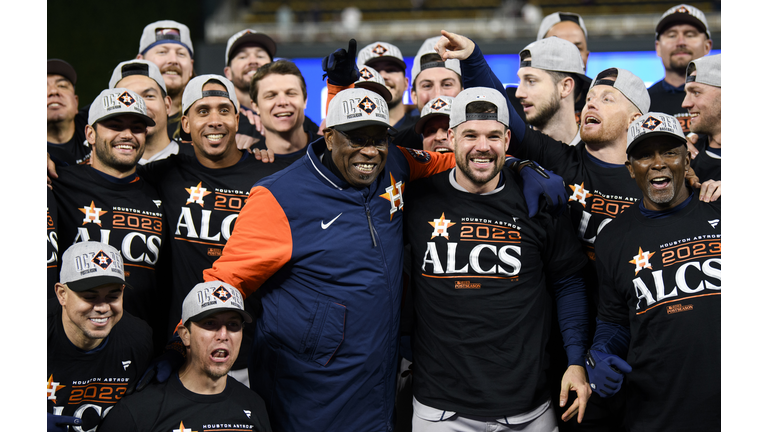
(620, 32)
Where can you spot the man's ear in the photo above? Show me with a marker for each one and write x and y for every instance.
(629, 168)
(61, 293)
(228, 73)
(328, 134)
(184, 335)
(90, 134)
(185, 124)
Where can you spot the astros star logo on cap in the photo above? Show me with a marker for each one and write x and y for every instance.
(436, 105)
(380, 50)
(683, 9)
(102, 260)
(126, 99)
(651, 123)
(367, 105)
(366, 74)
(222, 294)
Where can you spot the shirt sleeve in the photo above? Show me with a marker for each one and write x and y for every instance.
(119, 419)
(260, 245)
(422, 163)
(572, 316)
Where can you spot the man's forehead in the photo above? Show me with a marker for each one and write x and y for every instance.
(480, 125)
(169, 46)
(680, 27)
(257, 47)
(528, 70)
(386, 65)
(566, 28)
(57, 78)
(141, 82)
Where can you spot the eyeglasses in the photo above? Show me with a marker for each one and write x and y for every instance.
(358, 141)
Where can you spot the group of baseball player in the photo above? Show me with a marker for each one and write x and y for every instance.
(217, 261)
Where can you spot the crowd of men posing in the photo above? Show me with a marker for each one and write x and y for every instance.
(217, 261)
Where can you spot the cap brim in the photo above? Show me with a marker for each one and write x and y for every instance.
(419, 126)
(146, 119)
(60, 67)
(658, 134)
(94, 282)
(372, 61)
(679, 18)
(202, 315)
(258, 38)
(377, 88)
(359, 124)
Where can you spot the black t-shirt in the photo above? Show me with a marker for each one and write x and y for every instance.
(127, 216)
(201, 205)
(53, 245)
(87, 384)
(661, 278)
(479, 268)
(76, 151)
(168, 406)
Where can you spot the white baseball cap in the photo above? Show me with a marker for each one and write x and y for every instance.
(88, 265)
(355, 108)
(137, 67)
(193, 92)
(372, 80)
(208, 298)
(428, 47)
(459, 113)
(378, 51)
(683, 13)
(707, 70)
(554, 18)
(118, 101)
(165, 31)
(632, 87)
(249, 35)
(654, 124)
(440, 105)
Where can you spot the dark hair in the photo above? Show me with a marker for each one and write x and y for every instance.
(481, 107)
(280, 67)
(430, 58)
(578, 85)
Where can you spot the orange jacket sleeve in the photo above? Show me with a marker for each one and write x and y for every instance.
(438, 162)
(333, 90)
(260, 244)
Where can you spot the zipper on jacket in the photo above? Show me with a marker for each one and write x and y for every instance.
(370, 223)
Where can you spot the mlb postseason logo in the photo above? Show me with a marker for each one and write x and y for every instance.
(658, 123)
(123, 101)
(93, 262)
(356, 107)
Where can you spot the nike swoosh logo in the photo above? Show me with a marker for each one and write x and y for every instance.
(324, 225)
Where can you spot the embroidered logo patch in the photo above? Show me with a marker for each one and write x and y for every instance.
(367, 105)
(102, 260)
(222, 294)
(126, 99)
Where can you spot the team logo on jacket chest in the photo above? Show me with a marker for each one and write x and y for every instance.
(196, 194)
(394, 195)
(682, 269)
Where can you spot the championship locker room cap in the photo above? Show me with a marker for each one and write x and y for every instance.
(60, 67)
(459, 113)
(137, 67)
(440, 105)
(683, 14)
(428, 47)
(118, 101)
(654, 125)
(355, 108)
(372, 80)
(193, 92)
(90, 264)
(554, 54)
(378, 51)
(632, 87)
(208, 298)
(249, 35)
(552, 19)
(707, 70)
(165, 31)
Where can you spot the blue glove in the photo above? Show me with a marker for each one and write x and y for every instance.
(161, 367)
(606, 372)
(340, 66)
(58, 423)
(540, 184)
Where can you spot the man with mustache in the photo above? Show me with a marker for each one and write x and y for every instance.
(66, 125)
(168, 45)
(682, 35)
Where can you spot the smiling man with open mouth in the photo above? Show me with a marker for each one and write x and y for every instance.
(201, 392)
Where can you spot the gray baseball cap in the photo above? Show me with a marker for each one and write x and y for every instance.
(372, 80)
(554, 18)
(428, 47)
(88, 265)
(683, 14)
(654, 124)
(193, 92)
(632, 87)
(440, 105)
(249, 35)
(378, 51)
(478, 94)
(118, 101)
(707, 70)
(208, 298)
(137, 67)
(165, 31)
(555, 54)
(355, 108)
